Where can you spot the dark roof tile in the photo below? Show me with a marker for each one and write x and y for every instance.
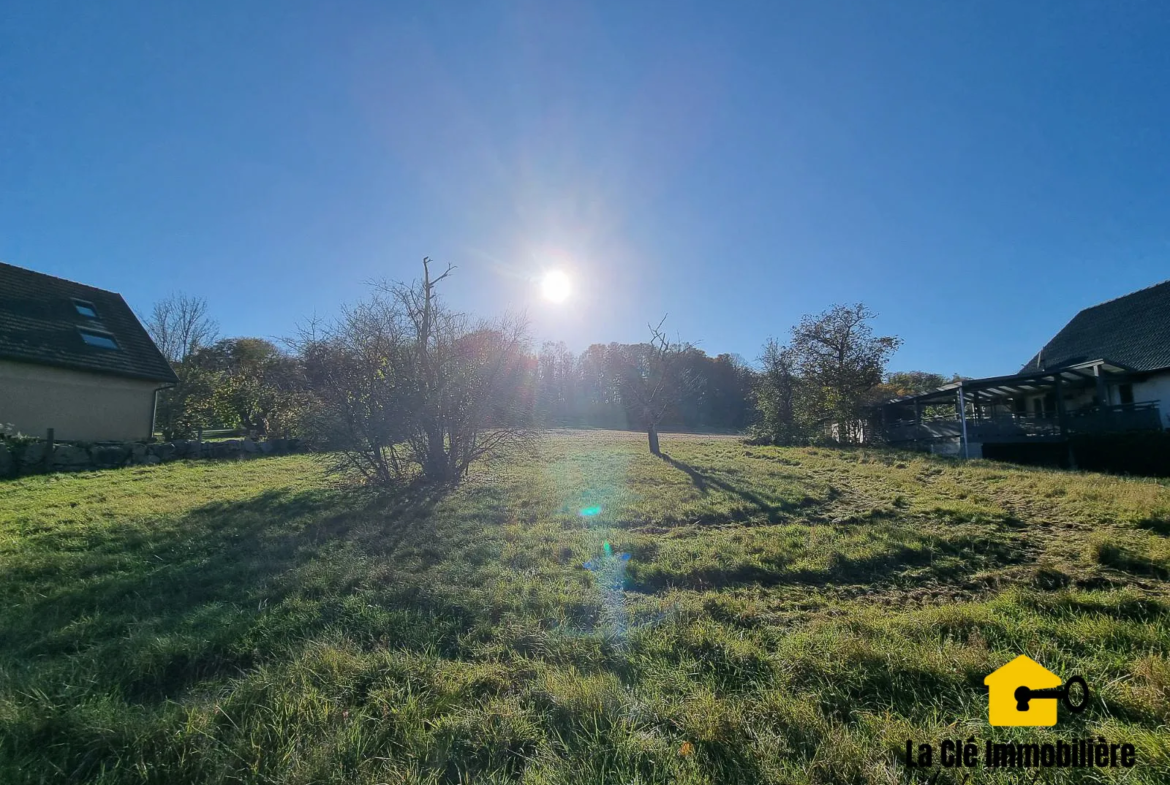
(40, 324)
(1133, 330)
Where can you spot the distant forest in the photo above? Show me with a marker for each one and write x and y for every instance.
(586, 389)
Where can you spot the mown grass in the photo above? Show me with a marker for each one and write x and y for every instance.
(786, 615)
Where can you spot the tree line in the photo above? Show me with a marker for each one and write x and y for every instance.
(400, 386)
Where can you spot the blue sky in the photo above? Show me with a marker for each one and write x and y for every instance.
(976, 172)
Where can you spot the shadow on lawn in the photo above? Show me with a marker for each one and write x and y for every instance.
(918, 560)
(157, 609)
(950, 556)
(842, 570)
(701, 482)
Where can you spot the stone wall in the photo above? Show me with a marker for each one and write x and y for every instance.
(19, 457)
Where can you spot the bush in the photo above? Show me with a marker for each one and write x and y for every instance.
(404, 387)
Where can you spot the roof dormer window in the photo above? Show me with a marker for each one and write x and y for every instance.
(85, 308)
(99, 339)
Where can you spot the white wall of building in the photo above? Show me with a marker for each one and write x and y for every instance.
(1156, 389)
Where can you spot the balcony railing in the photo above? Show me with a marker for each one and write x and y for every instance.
(1116, 419)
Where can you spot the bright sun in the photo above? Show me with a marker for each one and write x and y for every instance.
(555, 286)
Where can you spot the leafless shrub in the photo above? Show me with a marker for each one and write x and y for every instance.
(406, 388)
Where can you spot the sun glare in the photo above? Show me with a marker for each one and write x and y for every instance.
(555, 286)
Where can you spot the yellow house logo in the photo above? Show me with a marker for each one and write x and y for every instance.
(1024, 692)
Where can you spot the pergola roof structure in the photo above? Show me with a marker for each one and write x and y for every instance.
(996, 388)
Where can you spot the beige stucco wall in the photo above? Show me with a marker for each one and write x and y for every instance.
(78, 406)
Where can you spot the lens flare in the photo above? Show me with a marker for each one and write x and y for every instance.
(555, 286)
(609, 578)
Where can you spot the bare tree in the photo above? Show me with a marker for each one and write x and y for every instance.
(180, 326)
(652, 381)
(408, 387)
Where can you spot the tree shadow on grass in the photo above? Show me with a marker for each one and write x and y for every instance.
(702, 481)
(1129, 561)
(153, 609)
(1159, 524)
(842, 570)
(919, 559)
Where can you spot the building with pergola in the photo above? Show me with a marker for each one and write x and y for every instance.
(1107, 371)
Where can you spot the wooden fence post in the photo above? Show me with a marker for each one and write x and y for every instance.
(49, 450)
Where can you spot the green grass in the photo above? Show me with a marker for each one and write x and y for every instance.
(794, 614)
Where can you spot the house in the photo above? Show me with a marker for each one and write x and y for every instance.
(1133, 332)
(76, 359)
(1106, 371)
(1001, 693)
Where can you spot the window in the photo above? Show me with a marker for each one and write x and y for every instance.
(1125, 393)
(85, 308)
(100, 340)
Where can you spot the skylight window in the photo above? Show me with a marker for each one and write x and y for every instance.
(85, 308)
(100, 340)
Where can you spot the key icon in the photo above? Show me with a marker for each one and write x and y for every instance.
(1024, 695)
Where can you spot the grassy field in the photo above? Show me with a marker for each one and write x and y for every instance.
(786, 615)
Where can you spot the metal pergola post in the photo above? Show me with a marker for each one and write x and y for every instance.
(963, 418)
(1061, 414)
